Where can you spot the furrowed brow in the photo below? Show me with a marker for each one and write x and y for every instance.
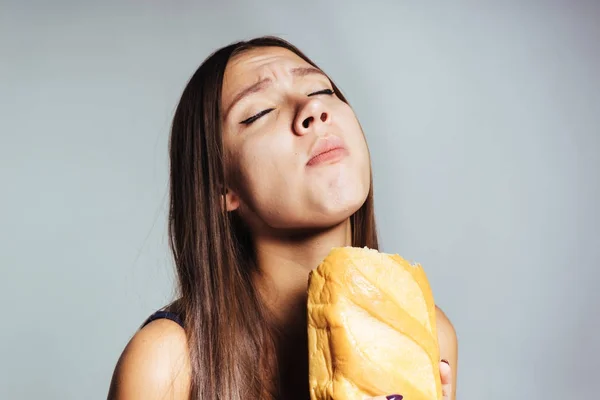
(255, 88)
(264, 83)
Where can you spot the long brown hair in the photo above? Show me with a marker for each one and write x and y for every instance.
(230, 341)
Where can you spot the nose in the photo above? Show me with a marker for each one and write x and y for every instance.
(313, 117)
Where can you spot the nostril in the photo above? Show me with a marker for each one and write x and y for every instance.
(324, 117)
(306, 122)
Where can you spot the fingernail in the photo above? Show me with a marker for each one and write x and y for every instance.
(394, 397)
(445, 361)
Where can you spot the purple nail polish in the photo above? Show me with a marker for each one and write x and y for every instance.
(394, 397)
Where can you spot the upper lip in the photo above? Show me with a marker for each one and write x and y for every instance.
(325, 144)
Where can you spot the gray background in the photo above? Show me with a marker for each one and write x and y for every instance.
(483, 120)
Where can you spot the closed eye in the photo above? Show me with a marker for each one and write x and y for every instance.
(257, 116)
(253, 118)
(324, 91)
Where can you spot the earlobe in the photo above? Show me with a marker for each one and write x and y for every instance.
(232, 201)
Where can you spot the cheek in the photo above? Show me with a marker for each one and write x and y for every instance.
(356, 139)
(259, 156)
(265, 165)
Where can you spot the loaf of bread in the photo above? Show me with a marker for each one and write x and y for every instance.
(371, 328)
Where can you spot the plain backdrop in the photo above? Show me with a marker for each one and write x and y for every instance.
(482, 118)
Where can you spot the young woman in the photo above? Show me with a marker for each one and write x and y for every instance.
(269, 170)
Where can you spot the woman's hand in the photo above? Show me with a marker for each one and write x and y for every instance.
(445, 374)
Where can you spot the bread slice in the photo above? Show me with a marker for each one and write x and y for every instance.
(371, 328)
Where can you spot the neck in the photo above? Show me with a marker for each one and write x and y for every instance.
(284, 265)
(282, 281)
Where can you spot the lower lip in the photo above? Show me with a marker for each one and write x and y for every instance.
(330, 156)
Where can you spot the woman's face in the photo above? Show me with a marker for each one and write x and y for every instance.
(296, 157)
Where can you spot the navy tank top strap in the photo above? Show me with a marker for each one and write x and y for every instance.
(164, 315)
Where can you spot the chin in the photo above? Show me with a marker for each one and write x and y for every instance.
(324, 216)
(323, 209)
(336, 212)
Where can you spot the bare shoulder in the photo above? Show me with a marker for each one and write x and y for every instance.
(446, 336)
(154, 365)
(444, 325)
(448, 344)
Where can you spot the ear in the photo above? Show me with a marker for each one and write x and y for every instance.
(232, 200)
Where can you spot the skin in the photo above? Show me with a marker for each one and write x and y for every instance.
(278, 195)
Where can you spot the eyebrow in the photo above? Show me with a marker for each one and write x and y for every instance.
(264, 83)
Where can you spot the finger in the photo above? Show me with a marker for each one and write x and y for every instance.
(389, 397)
(446, 376)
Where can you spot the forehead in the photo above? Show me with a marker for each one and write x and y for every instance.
(253, 65)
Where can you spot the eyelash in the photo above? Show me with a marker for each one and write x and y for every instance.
(253, 118)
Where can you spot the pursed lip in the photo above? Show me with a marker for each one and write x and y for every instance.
(324, 145)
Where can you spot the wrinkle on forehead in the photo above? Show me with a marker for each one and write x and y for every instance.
(271, 59)
(254, 65)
